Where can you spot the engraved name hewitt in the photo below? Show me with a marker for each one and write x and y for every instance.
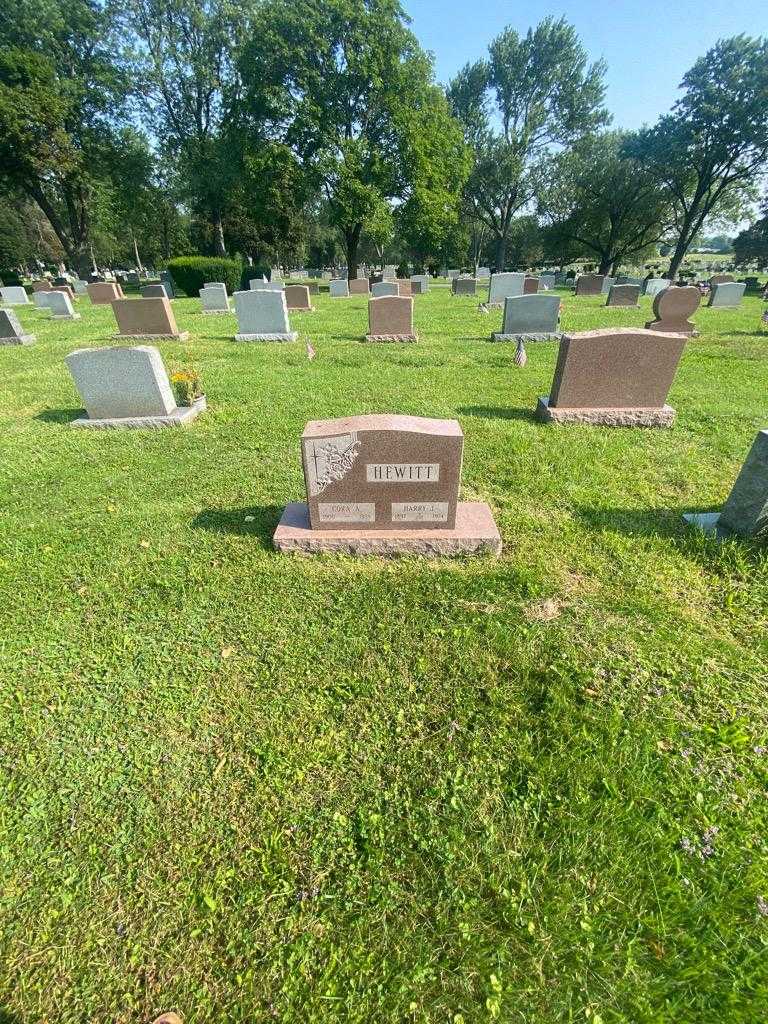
(402, 472)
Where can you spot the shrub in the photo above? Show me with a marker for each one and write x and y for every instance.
(251, 273)
(190, 273)
(10, 278)
(187, 386)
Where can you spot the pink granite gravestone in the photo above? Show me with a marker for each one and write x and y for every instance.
(146, 318)
(404, 287)
(102, 293)
(390, 318)
(530, 286)
(41, 286)
(614, 378)
(720, 279)
(297, 298)
(590, 284)
(359, 286)
(672, 307)
(623, 295)
(385, 485)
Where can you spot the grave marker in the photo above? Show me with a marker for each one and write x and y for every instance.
(464, 286)
(126, 387)
(404, 288)
(154, 291)
(530, 318)
(654, 285)
(297, 299)
(672, 307)
(58, 303)
(589, 284)
(146, 318)
(384, 288)
(11, 331)
(13, 295)
(263, 316)
(727, 295)
(419, 284)
(745, 512)
(102, 293)
(504, 286)
(623, 295)
(614, 378)
(359, 286)
(214, 299)
(530, 286)
(390, 318)
(385, 485)
(339, 288)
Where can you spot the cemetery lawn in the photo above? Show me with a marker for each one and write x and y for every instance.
(256, 788)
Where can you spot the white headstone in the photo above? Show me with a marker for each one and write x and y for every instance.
(654, 285)
(11, 331)
(423, 280)
(214, 298)
(11, 295)
(121, 382)
(59, 304)
(262, 315)
(505, 286)
(339, 289)
(385, 288)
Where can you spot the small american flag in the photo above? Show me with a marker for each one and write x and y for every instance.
(310, 351)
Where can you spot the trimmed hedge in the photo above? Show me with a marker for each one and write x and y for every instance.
(190, 273)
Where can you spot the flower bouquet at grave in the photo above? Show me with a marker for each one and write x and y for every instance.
(187, 386)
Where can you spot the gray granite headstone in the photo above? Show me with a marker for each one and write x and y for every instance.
(607, 284)
(11, 331)
(214, 298)
(727, 295)
(745, 511)
(11, 295)
(504, 286)
(623, 295)
(654, 285)
(262, 315)
(258, 284)
(154, 291)
(339, 288)
(121, 382)
(80, 287)
(59, 304)
(384, 288)
(532, 317)
(546, 281)
(167, 281)
(422, 281)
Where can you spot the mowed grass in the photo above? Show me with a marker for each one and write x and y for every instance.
(258, 788)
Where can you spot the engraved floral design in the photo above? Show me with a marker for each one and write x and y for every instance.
(335, 461)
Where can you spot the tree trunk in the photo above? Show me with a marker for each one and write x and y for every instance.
(136, 253)
(219, 247)
(351, 243)
(678, 256)
(605, 265)
(501, 253)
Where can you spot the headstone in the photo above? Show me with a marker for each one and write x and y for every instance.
(80, 287)
(671, 309)
(339, 288)
(504, 286)
(608, 283)
(385, 485)
(13, 295)
(124, 386)
(314, 287)
(263, 316)
(41, 286)
(154, 291)
(630, 280)
(614, 378)
(546, 281)
(259, 284)
(530, 318)
(167, 281)
(133, 278)
(623, 295)
(66, 289)
(58, 303)
(720, 279)
(727, 295)
(450, 274)
(11, 331)
(214, 299)
(389, 273)
(483, 273)
(359, 286)
(654, 285)
(464, 286)
(589, 284)
(561, 279)
(146, 318)
(297, 298)
(404, 288)
(390, 318)
(530, 286)
(745, 511)
(419, 284)
(102, 293)
(385, 288)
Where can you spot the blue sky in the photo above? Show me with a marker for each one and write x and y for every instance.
(648, 46)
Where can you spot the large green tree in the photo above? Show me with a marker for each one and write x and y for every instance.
(708, 152)
(349, 90)
(61, 97)
(751, 244)
(599, 200)
(532, 93)
(182, 57)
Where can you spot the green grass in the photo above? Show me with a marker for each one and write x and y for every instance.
(261, 788)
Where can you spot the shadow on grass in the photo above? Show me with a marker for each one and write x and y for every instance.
(57, 416)
(495, 412)
(6, 1017)
(259, 522)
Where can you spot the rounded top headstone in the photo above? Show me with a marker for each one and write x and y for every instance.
(676, 303)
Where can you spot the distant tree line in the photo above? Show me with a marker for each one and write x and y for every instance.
(313, 131)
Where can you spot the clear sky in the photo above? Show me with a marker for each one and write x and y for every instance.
(648, 45)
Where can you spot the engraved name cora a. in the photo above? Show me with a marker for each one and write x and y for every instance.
(402, 472)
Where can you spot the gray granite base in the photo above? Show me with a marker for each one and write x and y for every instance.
(498, 336)
(614, 417)
(22, 339)
(180, 416)
(709, 523)
(475, 533)
(183, 336)
(292, 336)
(392, 337)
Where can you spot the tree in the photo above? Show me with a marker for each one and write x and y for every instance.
(751, 245)
(709, 150)
(182, 55)
(351, 93)
(61, 97)
(540, 92)
(600, 200)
